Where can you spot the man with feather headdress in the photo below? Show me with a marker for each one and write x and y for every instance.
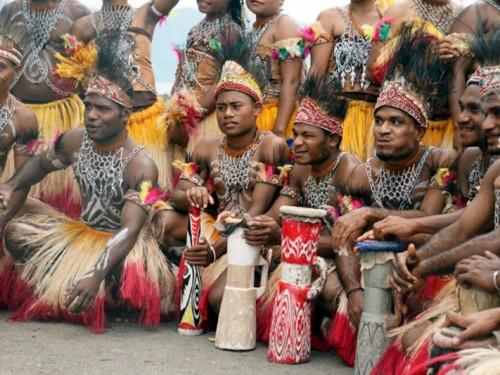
(76, 270)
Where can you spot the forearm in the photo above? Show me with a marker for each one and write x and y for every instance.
(377, 214)
(288, 99)
(165, 6)
(325, 249)
(207, 100)
(16, 202)
(117, 249)
(433, 224)
(32, 172)
(349, 270)
(445, 261)
(445, 239)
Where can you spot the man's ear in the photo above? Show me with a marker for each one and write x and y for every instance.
(420, 132)
(257, 109)
(334, 140)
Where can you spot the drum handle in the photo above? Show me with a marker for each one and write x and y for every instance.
(318, 285)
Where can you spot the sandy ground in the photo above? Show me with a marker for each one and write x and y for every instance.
(125, 349)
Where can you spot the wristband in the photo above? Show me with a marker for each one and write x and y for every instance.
(495, 274)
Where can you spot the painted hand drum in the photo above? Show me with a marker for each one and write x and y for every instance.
(376, 264)
(190, 319)
(237, 326)
(290, 336)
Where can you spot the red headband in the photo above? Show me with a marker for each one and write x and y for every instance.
(310, 113)
(396, 96)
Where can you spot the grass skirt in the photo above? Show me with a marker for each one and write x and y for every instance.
(267, 118)
(64, 249)
(357, 135)
(144, 128)
(439, 134)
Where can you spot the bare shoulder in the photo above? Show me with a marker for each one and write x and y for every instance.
(329, 18)
(70, 141)
(442, 157)
(271, 140)
(206, 147)
(82, 28)
(286, 27)
(399, 9)
(25, 122)
(142, 167)
(78, 9)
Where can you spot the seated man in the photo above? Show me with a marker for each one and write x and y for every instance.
(320, 169)
(471, 168)
(238, 171)
(400, 181)
(472, 233)
(73, 268)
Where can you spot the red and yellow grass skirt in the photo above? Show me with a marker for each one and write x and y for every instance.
(64, 249)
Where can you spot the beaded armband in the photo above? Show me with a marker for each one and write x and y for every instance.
(315, 35)
(266, 174)
(148, 197)
(289, 49)
(292, 193)
(347, 203)
(189, 172)
(28, 149)
(445, 180)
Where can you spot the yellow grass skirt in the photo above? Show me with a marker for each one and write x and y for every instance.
(439, 134)
(357, 137)
(64, 249)
(267, 118)
(144, 128)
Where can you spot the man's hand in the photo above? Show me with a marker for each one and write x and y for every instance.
(82, 294)
(199, 197)
(349, 227)
(478, 271)
(6, 192)
(392, 226)
(200, 255)
(355, 306)
(477, 328)
(263, 231)
(402, 279)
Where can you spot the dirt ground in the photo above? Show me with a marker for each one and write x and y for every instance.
(126, 349)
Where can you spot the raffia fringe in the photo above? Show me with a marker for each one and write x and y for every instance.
(357, 137)
(66, 249)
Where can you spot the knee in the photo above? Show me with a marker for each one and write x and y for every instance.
(170, 228)
(12, 245)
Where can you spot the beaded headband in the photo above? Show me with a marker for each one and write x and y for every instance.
(8, 51)
(394, 94)
(490, 80)
(310, 113)
(475, 78)
(102, 87)
(235, 78)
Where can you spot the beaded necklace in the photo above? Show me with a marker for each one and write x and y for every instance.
(441, 16)
(317, 189)
(395, 188)
(39, 25)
